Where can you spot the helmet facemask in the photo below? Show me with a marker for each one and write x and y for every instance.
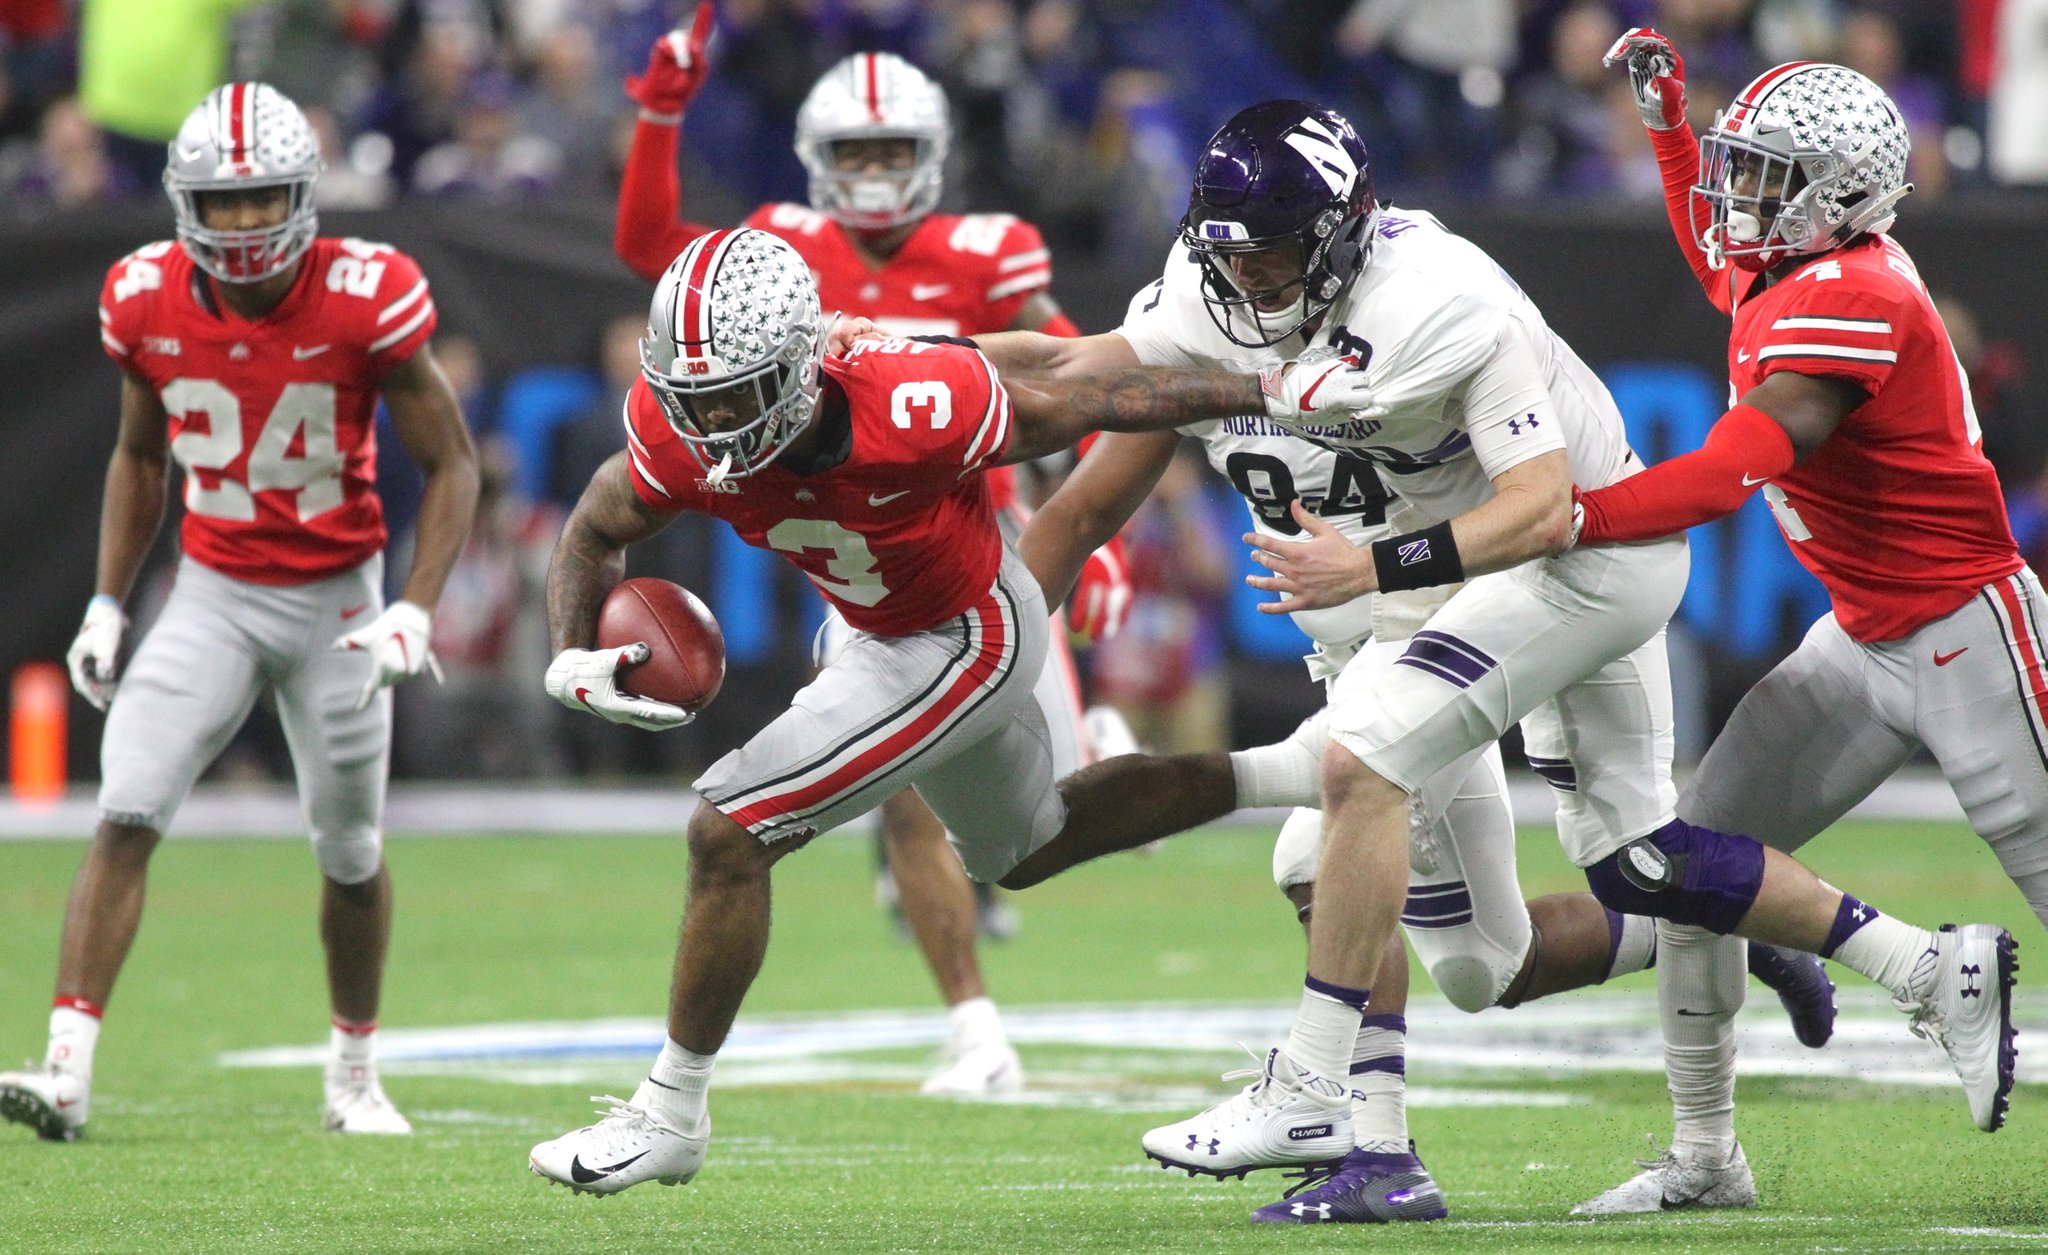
(244, 256)
(735, 424)
(1313, 287)
(866, 199)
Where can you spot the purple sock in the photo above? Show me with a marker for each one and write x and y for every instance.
(1338, 993)
(1851, 916)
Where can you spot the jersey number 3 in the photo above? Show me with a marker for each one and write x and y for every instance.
(837, 560)
(314, 473)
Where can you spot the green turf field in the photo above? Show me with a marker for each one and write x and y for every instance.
(184, 1153)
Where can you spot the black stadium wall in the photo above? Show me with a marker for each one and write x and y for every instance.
(535, 284)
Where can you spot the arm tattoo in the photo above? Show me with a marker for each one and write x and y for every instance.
(1142, 398)
(590, 558)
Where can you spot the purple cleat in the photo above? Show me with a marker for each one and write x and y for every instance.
(1803, 988)
(1367, 1187)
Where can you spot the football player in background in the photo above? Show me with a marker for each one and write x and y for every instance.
(1481, 421)
(859, 470)
(873, 134)
(253, 352)
(1855, 419)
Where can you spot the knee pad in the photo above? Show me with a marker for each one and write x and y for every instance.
(1468, 981)
(351, 855)
(1298, 849)
(1682, 873)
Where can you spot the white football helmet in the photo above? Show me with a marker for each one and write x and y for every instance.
(733, 345)
(1807, 157)
(244, 135)
(874, 95)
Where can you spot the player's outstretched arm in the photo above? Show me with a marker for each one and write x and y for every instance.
(428, 419)
(1656, 74)
(648, 233)
(590, 557)
(1777, 425)
(1104, 491)
(1035, 352)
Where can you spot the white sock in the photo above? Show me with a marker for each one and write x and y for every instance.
(1325, 1029)
(676, 1085)
(74, 1035)
(975, 1023)
(1636, 947)
(1887, 950)
(1286, 773)
(352, 1050)
(1701, 982)
(1379, 1085)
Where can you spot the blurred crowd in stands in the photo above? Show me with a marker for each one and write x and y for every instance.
(1081, 115)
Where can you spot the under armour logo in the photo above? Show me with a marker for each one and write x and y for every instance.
(1860, 914)
(1515, 425)
(1320, 1211)
(1972, 973)
(1195, 1143)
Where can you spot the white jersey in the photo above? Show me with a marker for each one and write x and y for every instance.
(1474, 380)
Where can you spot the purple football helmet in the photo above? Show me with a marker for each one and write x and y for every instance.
(1283, 175)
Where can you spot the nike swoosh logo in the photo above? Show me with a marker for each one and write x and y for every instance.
(66, 1102)
(1942, 660)
(353, 611)
(301, 353)
(1747, 482)
(583, 695)
(929, 291)
(584, 1176)
(875, 500)
(1742, 355)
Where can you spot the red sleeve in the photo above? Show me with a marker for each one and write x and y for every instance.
(649, 231)
(651, 451)
(988, 408)
(1742, 450)
(1020, 269)
(405, 316)
(124, 297)
(1678, 160)
(1834, 329)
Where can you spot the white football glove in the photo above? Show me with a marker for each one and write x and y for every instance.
(1318, 390)
(587, 679)
(397, 644)
(96, 651)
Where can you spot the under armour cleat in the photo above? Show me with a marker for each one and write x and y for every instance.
(1368, 1187)
(977, 1072)
(356, 1103)
(49, 1100)
(630, 1145)
(1966, 1009)
(1672, 1182)
(1803, 988)
(1287, 1118)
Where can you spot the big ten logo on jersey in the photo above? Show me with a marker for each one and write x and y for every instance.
(140, 271)
(357, 271)
(980, 234)
(801, 219)
(1267, 483)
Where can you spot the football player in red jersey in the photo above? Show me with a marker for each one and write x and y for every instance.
(253, 353)
(1853, 416)
(873, 134)
(861, 471)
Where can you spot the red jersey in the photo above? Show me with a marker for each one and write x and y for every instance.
(272, 420)
(1898, 513)
(899, 534)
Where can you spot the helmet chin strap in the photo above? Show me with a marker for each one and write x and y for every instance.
(717, 474)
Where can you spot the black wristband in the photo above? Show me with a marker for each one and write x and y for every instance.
(1421, 559)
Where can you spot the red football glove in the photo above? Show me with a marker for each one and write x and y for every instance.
(675, 70)
(1101, 600)
(1656, 73)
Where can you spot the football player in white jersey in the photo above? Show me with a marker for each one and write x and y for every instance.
(1482, 421)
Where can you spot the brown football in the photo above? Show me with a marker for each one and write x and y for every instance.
(686, 651)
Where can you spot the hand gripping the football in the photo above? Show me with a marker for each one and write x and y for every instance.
(1656, 74)
(1318, 390)
(95, 651)
(396, 641)
(588, 679)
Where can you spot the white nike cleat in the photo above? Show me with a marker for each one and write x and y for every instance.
(356, 1103)
(976, 1072)
(1965, 1007)
(1672, 1183)
(630, 1145)
(47, 1099)
(1284, 1119)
